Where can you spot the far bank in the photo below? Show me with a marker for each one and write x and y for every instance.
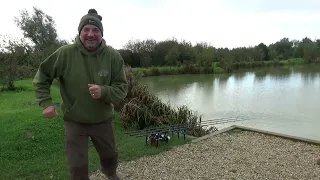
(215, 68)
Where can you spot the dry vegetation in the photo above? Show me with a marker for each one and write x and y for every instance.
(141, 109)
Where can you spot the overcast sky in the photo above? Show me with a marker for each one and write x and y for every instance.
(222, 23)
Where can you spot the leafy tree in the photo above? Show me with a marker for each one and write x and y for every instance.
(12, 66)
(171, 58)
(39, 28)
(21, 59)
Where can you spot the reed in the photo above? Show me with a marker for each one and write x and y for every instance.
(142, 109)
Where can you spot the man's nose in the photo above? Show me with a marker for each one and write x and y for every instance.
(90, 33)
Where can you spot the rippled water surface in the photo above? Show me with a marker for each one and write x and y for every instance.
(284, 100)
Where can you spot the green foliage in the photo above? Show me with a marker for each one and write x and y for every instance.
(13, 62)
(40, 29)
(216, 68)
(171, 58)
(178, 53)
(19, 59)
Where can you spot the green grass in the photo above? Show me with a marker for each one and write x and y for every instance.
(294, 61)
(41, 155)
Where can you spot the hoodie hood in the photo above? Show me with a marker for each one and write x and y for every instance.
(84, 50)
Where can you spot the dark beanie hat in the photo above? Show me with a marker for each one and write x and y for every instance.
(91, 18)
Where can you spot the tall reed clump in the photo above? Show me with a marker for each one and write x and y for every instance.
(141, 109)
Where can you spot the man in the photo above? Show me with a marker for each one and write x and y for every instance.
(91, 77)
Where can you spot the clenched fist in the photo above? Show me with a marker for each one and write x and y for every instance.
(95, 91)
(50, 112)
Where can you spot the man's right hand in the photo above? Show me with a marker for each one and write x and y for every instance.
(50, 112)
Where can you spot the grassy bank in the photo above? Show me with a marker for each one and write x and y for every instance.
(215, 68)
(32, 147)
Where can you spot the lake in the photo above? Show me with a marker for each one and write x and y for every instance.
(283, 100)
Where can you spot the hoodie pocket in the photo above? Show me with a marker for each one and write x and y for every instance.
(88, 110)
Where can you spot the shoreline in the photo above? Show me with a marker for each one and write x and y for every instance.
(214, 69)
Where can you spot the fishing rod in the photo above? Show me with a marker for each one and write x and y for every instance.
(176, 127)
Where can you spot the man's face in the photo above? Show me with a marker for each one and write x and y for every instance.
(91, 36)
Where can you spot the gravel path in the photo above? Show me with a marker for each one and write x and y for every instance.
(241, 155)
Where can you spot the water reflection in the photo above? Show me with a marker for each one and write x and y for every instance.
(284, 100)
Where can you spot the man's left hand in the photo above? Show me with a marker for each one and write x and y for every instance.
(95, 91)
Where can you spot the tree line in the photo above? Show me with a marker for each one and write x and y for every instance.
(20, 58)
(171, 52)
